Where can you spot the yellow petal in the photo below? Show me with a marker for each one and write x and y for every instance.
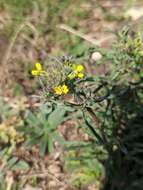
(58, 90)
(65, 89)
(35, 72)
(80, 75)
(80, 68)
(75, 74)
(38, 66)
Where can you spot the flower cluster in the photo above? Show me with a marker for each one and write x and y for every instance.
(59, 90)
(68, 74)
(77, 72)
(39, 70)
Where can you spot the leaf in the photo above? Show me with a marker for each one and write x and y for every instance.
(32, 141)
(50, 145)
(32, 119)
(57, 137)
(18, 90)
(44, 144)
(12, 161)
(21, 165)
(46, 108)
(56, 117)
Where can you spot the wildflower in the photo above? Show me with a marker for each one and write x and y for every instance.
(65, 89)
(77, 72)
(80, 75)
(39, 70)
(78, 68)
(59, 90)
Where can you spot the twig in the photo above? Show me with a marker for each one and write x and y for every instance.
(42, 175)
(13, 40)
(9, 181)
(94, 132)
(83, 36)
(79, 34)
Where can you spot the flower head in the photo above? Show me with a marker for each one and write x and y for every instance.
(79, 68)
(77, 72)
(39, 70)
(80, 75)
(59, 90)
(65, 89)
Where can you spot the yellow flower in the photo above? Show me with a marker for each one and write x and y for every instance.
(59, 90)
(80, 75)
(77, 73)
(65, 89)
(80, 68)
(39, 70)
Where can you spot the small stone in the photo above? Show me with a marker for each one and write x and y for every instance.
(96, 56)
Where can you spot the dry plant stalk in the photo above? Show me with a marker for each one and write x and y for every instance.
(4, 72)
(83, 36)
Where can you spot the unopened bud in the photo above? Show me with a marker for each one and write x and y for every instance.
(96, 56)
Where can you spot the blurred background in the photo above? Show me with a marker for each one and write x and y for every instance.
(30, 31)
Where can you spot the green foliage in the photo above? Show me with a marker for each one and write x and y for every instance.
(122, 115)
(107, 106)
(52, 12)
(18, 90)
(80, 160)
(86, 176)
(111, 106)
(5, 110)
(18, 9)
(41, 128)
(9, 139)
